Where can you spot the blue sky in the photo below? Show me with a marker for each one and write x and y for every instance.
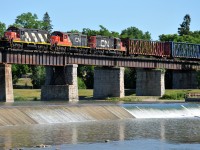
(156, 16)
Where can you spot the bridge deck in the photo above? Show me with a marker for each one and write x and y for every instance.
(61, 59)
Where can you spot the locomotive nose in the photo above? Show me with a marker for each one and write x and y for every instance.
(55, 40)
(10, 35)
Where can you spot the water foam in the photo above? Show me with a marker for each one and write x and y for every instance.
(152, 112)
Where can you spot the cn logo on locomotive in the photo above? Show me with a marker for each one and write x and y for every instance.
(77, 39)
(105, 43)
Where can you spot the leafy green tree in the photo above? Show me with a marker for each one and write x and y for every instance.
(28, 20)
(2, 28)
(102, 31)
(105, 32)
(86, 73)
(47, 23)
(194, 37)
(81, 84)
(18, 71)
(38, 76)
(185, 26)
(89, 32)
(168, 37)
(115, 34)
(130, 78)
(74, 31)
(135, 33)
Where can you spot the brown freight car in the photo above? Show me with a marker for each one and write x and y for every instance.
(147, 48)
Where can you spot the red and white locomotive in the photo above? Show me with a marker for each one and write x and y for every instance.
(77, 42)
(23, 38)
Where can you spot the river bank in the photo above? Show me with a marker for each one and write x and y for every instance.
(130, 96)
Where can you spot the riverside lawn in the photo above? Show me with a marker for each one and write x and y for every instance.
(87, 94)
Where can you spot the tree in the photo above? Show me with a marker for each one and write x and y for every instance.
(38, 76)
(18, 71)
(135, 33)
(89, 32)
(185, 26)
(102, 31)
(47, 23)
(86, 73)
(28, 20)
(130, 78)
(74, 31)
(194, 37)
(2, 28)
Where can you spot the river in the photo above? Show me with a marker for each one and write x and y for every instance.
(156, 126)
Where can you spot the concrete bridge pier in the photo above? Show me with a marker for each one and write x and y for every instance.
(150, 82)
(60, 83)
(184, 79)
(108, 82)
(6, 86)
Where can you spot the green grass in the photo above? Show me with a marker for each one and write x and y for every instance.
(26, 94)
(178, 94)
(125, 99)
(24, 81)
(34, 94)
(87, 94)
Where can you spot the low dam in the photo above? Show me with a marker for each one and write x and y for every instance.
(46, 114)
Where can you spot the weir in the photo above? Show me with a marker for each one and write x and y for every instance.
(52, 114)
(27, 115)
(164, 110)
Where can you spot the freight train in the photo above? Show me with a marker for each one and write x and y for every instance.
(67, 42)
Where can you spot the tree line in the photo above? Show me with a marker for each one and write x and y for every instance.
(86, 73)
(184, 33)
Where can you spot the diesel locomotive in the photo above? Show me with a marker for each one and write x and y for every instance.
(67, 42)
(22, 38)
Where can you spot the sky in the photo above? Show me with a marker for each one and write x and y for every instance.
(155, 16)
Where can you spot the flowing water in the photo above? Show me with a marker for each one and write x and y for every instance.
(164, 110)
(155, 126)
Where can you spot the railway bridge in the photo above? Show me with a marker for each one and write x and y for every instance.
(61, 73)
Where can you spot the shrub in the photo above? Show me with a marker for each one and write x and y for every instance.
(81, 84)
(174, 96)
(19, 98)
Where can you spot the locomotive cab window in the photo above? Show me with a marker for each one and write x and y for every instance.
(18, 35)
(65, 36)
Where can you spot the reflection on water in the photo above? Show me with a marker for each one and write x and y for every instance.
(167, 131)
